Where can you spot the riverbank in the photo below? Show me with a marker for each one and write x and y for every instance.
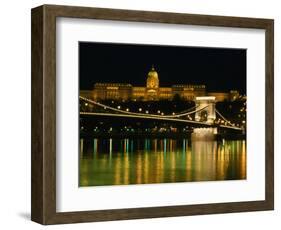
(187, 135)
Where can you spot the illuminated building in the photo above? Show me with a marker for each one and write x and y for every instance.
(151, 92)
(234, 94)
(220, 96)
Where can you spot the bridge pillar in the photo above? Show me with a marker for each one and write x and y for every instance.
(207, 109)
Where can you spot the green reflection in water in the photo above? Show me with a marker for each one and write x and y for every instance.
(145, 161)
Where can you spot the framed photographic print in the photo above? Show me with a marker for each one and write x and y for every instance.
(140, 114)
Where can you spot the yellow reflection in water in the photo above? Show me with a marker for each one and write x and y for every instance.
(243, 161)
(139, 171)
(188, 166)
(146, 168)
(126, 169)
(172, 160)
(160, 161)
(117, 173)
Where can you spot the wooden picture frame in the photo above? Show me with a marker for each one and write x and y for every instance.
(43, 208)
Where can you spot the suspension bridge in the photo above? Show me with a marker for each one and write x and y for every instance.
(204, 105)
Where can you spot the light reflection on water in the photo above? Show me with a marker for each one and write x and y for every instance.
(145, 161)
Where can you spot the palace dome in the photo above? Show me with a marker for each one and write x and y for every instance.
(152, 79)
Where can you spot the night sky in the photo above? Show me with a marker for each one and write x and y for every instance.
(218, 68)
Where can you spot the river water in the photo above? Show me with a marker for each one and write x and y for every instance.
(146, 161)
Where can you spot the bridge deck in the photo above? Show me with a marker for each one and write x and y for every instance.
(154, 117)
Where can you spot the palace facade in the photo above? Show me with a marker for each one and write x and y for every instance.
(151, 92)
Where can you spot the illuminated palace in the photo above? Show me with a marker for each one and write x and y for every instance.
(152, 91)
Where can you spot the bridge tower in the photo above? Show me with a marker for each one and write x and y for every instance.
(207, 109)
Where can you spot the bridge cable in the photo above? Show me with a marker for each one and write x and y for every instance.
(224, 118)
(133, 113)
